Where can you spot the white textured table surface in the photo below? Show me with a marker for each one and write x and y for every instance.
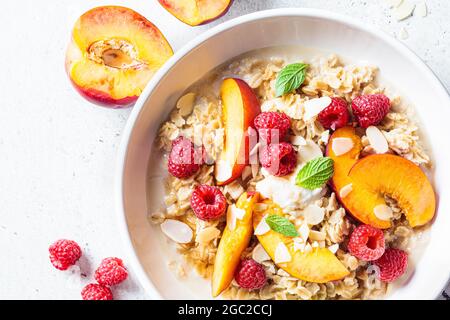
(58, 151)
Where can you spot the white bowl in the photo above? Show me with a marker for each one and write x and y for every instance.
(309, 28)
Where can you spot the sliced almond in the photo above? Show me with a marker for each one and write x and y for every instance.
(314, 214)
(421, 9)
(234, 189)
(404, 10)
(308, 248)
(260, 207)
(314, 106)
(299, 244)
(345, 190)
(403, 34)
(223, 170)
(176, 230)
(377, 139)
(298, 141)
(393, 3)
(304, 232)
(237, 212)
(383, 212)
(309, 151)
(259, 254)
(262, 227)
(185, 104)
(317, 235)
(341, 146)
(334, 248)
(282, 254)
(207, 234)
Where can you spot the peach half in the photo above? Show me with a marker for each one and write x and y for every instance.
(240, 106)
(366, 181)
(113, 53)
(196, 12)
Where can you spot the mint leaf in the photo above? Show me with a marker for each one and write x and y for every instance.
(315, 173)
(281, 225)
(290, 78)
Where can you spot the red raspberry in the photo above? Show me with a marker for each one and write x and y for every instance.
(94, 291)
(184, 159)
(64, 253)
(272, 126)
(250, 275)
(370, 109)
(208, 202)
(392, 264)
(111, 272)
(366, 243)
(279, 159)
(336, 115)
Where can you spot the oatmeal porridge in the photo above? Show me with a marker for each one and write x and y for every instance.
(294, 178)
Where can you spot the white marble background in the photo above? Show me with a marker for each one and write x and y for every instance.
(57, 151)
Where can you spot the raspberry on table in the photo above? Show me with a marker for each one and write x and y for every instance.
(111, 272)
(278, 159)
(392, 264)
(250, 275)
(366, 243)
(336, 115)
(95, 291)
(185, 159)
(370, 109)
(64, 253)
(272, 126)
(208, 202)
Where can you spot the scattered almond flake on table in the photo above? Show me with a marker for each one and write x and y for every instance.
(282, 254)
(314, 214)
(314, 106)
(403, 34)
(259, 254)
(421, 9)
(377, 139)
(262, 227)
(345, 190)
(383, 212)
(177, 231)
(341, 146)
(404, 10)
(393, 3)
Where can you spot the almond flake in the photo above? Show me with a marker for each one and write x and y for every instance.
(315, 244)
(314, 106)
(377, 139)
(308, 248)
(177, 231)
(262, 227)
(234, 189)
(345, 190)
(309, 151)
(383, 212)
(259, 254)
(421, 9)
(185, 104)
(341, 146)
(334, 248)
(299, 245)
(317, 235)
(207, 234)
(314, 214)
(298, 141)
(304, 231)
(237, 212)
(403, 11)
(282, 254)
(403, 35)
(260, 207)
(393, 3)
(223, 170)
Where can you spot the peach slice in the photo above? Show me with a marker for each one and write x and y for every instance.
(360, 185)
(240, 107)
(196, 12)
(113, 53)
(235, 239)
(319, 265)
(379, 174)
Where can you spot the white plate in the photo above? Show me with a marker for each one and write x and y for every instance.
(309, 28)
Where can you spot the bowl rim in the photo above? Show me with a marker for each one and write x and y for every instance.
(150, 290)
